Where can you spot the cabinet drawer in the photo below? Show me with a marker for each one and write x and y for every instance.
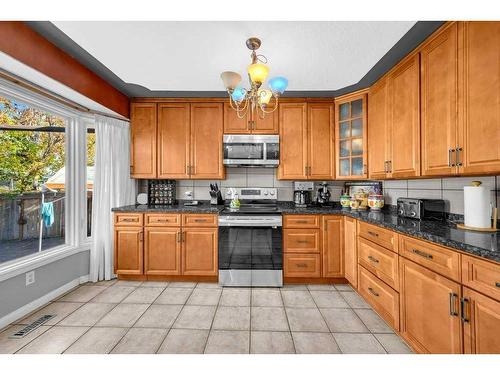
(199, 220)
(436, 258)
(380, 261)
(301, 265)
(384, 299)
(129, 219)
(380, 236)
(301, 240)
(482, 276)
(301, 221)
(162, 220)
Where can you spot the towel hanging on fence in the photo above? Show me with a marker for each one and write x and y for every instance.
(48, 213)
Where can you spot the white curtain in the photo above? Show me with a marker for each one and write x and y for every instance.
(113, 187)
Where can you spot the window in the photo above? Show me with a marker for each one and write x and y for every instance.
(32, 180)
(43, 156)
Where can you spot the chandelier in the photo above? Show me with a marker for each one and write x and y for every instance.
(255, 98)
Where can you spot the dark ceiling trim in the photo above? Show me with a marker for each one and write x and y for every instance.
(414, 37)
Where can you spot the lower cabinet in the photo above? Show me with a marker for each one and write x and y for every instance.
(430, 305)
(199, 251)
(129, 255)
(481, 322)
(162, 251)
(302, 265)
(350, 251)
(332, 246)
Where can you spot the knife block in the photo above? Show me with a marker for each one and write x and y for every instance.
(217, 200)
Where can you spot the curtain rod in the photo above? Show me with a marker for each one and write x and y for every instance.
(53, 96)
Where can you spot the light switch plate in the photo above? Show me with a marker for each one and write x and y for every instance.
(30, 277)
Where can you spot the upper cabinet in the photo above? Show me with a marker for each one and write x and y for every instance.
(306, 141)
(251, 123)
(439, 98)
(350, 135)
(479, 93)
(404, 119)
(177, 140)
(378, 130)
(143, 140)
(206, 141)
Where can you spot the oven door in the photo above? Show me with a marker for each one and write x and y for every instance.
(250, 251)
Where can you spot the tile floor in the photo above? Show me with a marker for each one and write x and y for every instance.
(160, 317)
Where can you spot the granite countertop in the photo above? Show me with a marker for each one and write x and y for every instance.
(485, 245)
(203, 208)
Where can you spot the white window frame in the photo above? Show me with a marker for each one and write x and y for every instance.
(75, 179)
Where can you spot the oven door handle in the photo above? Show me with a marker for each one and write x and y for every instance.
(268, 222)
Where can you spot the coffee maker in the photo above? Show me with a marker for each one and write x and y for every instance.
(302, 193)
(323, 195)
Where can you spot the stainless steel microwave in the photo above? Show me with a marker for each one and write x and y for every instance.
(251, 150)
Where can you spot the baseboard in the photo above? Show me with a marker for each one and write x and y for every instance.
(36, 304)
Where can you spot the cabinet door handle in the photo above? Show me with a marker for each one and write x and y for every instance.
(187, 169)
(453, 297)
(179, 236)
(463, 316)
(364, 169)
(458, 157)
(497, 284)
(385, 167)
(370, 289)
(131, 169)
(390, 166)
(301, 265)
(450, 157)
(129, 220)
(421, 253)
(375, 260)
(141, 236)
(373, 234)
(305, 170)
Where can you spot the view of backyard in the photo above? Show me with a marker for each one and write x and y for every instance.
(32, 160)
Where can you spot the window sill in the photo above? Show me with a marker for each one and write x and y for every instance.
(22, 265)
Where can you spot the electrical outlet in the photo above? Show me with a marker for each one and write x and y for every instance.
(30, 278)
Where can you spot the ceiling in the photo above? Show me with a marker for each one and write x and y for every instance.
(189, 56)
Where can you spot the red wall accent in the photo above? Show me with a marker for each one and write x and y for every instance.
(24, 44)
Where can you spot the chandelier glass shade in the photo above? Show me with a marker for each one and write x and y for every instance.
(255, 98)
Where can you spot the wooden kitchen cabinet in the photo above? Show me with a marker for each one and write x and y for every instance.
(430, 319)
(350, 251)
(293, 141)
(481, 323)
(302, 265)
(306, 141)
(479, 93)
(199, 251)
(251, 123)
(332, 246)
(206, 141)
(301, 240)
(173, 140)
(404, 118)
(320, 136)
(351, 136)
(439, 98)
(128, 250)
(378, 130)
(162, 251)
(143, 140)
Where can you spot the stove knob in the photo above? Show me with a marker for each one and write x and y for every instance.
(413, 214)
(272, 192)
(265, 192)
(401, 212)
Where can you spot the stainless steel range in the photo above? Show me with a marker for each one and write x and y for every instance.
(250, 240)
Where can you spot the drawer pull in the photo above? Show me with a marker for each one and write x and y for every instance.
(373, 234)
(301, 221)
(303, 241)
(373, 292)
(421, 253)
(375, 260)
(463, 316)
(453, 297)
(497, 284)
(162, 221)
(200, 220)
(301, 265)
(130, 220)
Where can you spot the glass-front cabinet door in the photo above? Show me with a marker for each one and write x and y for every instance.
(350, 135)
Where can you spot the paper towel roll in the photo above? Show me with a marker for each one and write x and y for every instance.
(477, 210)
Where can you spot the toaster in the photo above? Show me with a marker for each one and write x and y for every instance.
(430, 209)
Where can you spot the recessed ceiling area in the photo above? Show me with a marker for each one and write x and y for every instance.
(189, 56)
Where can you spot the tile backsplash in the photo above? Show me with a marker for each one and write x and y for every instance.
(449, 189)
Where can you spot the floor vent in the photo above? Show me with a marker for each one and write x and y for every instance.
(31, 327)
